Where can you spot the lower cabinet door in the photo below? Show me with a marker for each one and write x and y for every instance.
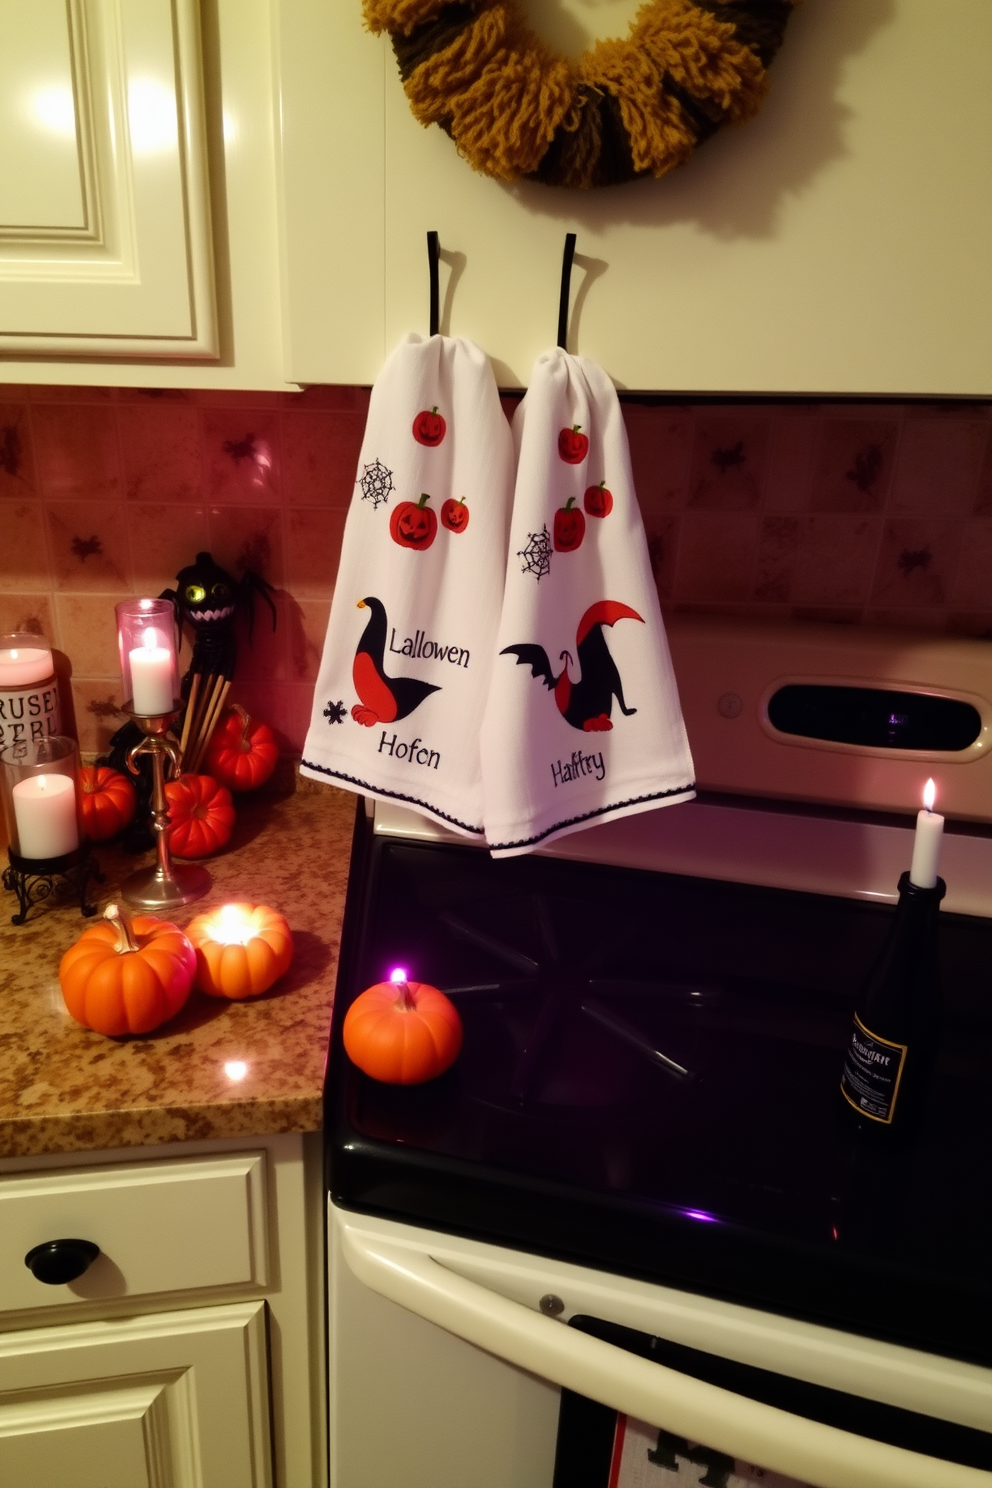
(171, 1400)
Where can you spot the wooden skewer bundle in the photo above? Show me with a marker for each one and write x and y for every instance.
(207, 696)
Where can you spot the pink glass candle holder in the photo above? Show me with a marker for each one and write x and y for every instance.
(146, 637)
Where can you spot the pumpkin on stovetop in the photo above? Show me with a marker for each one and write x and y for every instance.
(127, 976)
(201, 815)
(402, 1033)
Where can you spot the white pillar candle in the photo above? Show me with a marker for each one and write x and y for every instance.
(926, 845)
(22, 665)
(45, 813)
(151, 676)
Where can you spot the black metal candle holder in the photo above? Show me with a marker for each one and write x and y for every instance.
(36, 880)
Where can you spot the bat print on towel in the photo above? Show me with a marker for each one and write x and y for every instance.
(587, 703)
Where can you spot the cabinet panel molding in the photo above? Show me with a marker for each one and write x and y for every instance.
(174, 1401)
(161, 1227)
(837, 244)
(120, 263)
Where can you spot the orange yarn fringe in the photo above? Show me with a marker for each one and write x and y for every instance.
(504, 96)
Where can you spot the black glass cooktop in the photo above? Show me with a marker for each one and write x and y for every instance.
(649, 1084)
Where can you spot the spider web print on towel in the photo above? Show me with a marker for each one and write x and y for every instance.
(537, 554)
(376, 483)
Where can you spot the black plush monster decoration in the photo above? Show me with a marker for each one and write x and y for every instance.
(207, 600)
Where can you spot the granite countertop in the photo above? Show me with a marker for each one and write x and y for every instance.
(64, 1088)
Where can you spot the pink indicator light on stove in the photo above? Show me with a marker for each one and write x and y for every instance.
(398, 974)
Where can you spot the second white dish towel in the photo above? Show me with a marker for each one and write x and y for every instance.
(583, 722)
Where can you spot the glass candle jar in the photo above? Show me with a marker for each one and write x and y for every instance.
(39, 782)
(29, 692)
(146, 637)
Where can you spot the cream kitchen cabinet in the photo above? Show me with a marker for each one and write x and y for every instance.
(189, 1351)
(839, 243)
(138, 233)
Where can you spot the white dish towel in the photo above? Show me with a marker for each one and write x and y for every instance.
(407, 660)
(583, 722)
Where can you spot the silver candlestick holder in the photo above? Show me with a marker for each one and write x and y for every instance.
(165, 885)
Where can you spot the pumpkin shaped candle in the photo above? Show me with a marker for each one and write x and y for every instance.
(241, 949)
(127, 976)
(401, 1032)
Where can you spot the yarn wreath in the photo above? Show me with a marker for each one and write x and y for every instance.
(628, 107)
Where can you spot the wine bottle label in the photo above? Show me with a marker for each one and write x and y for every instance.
(872, 1071)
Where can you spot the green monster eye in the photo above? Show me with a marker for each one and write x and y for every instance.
(195, 594)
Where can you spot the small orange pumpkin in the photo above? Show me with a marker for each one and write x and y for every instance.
(127, 976)
(241, 949)
(242, 754)
(201, 816)
(108, 802)
(402, 1033)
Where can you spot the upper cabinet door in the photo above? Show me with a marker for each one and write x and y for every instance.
(105, 238)
(840, 243)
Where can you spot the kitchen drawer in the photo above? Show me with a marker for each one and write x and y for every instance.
(166, 1226)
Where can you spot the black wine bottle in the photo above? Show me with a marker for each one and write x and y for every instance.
(892, 1051)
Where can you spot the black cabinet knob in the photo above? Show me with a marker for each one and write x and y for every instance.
(59, 1261)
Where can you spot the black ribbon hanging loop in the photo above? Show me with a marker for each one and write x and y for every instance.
(566, 285)
(433, 260)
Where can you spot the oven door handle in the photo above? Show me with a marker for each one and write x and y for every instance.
(823, 1456)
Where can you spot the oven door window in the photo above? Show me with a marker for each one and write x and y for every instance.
(601, 1448)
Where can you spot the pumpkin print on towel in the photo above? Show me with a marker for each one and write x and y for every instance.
(411, 639)
(413, 524)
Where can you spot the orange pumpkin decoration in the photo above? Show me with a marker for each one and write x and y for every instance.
(241, 949)
(242, 754)
(125, 976)
(108, 802)
(402, 1033)
(201, 816)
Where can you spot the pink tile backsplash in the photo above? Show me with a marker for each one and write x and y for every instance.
(856, 514)
(853, 464)
(243, 454)
(728, 462)
(77, 452)
(160, 449)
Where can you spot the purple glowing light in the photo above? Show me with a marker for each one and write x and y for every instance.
(701, 1215)
(398, 974)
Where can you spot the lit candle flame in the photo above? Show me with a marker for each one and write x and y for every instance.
(235, 1069)
(233, 926)
(151, 639)
(929, 795)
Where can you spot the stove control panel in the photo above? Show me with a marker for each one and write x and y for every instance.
(837, 715)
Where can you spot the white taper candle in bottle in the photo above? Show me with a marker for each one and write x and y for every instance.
(926, 845)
